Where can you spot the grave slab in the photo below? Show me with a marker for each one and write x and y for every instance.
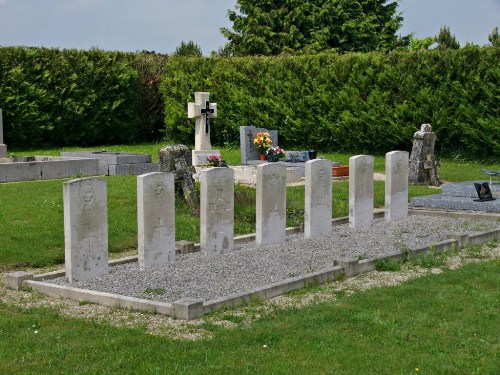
(216, 210)
(156, 219)
(318, 198)
(85, 228)
(361, 188)
(396, 185)
(271, 204)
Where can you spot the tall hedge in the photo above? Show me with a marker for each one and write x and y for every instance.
(67, 97)
(350, 103)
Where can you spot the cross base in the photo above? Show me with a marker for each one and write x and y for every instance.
(3, 151)
(200, 157)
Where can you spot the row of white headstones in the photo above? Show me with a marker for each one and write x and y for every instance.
(86, 224)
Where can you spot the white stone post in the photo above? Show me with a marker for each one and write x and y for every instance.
(396, 185)
(203, 111)
(3, 148)
(361, 191)
(270, 207)
(85, 229)
(216, 210)
(156, 218)
(318, 198)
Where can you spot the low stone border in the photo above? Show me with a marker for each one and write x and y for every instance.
(188, 308)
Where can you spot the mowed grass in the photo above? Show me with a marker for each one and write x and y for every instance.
(438, 324)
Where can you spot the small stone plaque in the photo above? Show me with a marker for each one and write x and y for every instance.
(483, 192)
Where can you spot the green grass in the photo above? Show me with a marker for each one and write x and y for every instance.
(438, 324)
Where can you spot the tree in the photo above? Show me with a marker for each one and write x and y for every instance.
(188, 49)
(264, 27)
(446, 40)
(423, 43)
(494, 38)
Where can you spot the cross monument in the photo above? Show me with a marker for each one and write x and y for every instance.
(203, 111)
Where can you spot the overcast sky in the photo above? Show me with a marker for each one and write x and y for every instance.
(161, 25)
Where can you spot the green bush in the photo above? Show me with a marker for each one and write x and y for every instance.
(347, 103)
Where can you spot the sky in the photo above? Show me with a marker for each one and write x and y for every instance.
(161, 25)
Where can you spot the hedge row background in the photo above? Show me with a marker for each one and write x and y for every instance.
(357, 103)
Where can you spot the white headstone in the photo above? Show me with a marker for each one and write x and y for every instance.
(361, 191)
(270, 207)
(3, 148)
(203, 111)
(216, 210)
(85, 229)
(156, 218)
(396, 185)
(318, 198)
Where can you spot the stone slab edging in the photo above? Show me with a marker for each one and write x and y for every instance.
(188, 308)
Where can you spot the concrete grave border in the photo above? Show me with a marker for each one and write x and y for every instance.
(188, 308)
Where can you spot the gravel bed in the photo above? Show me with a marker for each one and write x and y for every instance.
(249, 266)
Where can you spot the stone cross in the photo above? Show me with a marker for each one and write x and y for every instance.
(3, 148)
(202, 110)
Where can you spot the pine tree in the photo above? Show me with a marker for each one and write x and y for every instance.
(494, 38)
(188, 49)
(446, 40)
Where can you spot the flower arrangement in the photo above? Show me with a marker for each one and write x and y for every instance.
(274, 153)
(262, 142)
(213, 160)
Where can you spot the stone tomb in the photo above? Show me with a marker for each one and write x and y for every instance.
(216, 210)
(118, 163)
(156, 218)
(85, 229)
(318, 198)
(202, 110)
(396, 185)
(361, 188)
(271, 204)
(3, 147)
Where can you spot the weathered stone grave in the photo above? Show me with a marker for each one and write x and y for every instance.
(396, 185)
(3, 147)
(85, 229)
(177, 159)
(155, 218)
(216, 211)
(361, 190)
(202, 110)
(270, 208)
(423, 164)
(318, 198)
(117, 163)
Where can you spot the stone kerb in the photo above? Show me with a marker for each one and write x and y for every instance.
(271, 204)
(318, 198)
(3, 148)
(361, 190)
(85, 228)
(396, 185)
(216, 210)
(155, 219)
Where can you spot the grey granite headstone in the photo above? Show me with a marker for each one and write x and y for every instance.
(156, 218)
(423, 165)
(396, 185)
(216, 210)
(318, 198)
(3, 147)
(85, 229)
(247, 148)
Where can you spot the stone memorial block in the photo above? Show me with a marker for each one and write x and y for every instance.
(423, 165)
(3, 147)
(85, 229)
(156, 218)
(396, 185)
(318, 198)
(247, 148)
(483, 192)
(177, 159)
(271, 204)
(216, 210)
(361, 191)
(203, 111)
